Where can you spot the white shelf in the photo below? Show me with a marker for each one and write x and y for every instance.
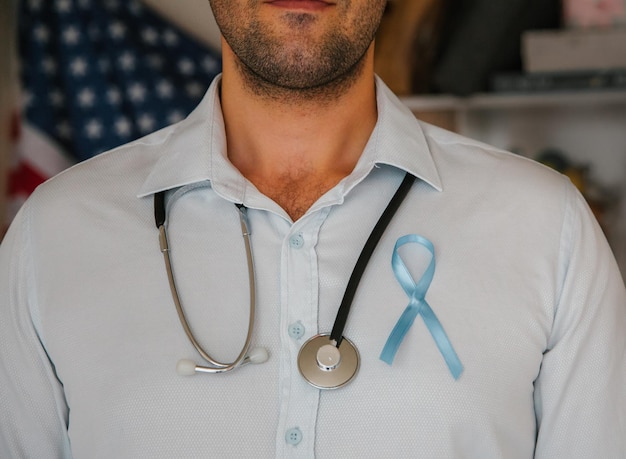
(516, 101)
(588, 125)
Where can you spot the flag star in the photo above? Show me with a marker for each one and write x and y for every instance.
(123, 127)
(49, 65)
(194, 89)
(117, 30)
(93, 129)
(170, 38)
(146, 123)
(210, 65)
(78, 66)
(186, 66)
(137, 92)
(150, 36)
(41, 33)
(174, 116)
(86, 97)
(165, 90)
(127, 61)
(114, 96)
(71, 35)
(64, 6)
(57, 98)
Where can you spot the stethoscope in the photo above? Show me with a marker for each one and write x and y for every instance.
(327, 360)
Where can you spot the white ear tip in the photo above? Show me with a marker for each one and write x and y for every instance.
(258, 355)
(186, 367)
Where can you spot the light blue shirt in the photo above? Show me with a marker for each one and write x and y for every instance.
(525, 287)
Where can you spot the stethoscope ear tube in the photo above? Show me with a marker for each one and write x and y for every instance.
(159, 209)
(185, 366)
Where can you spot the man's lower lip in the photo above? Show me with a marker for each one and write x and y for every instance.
(309, 5)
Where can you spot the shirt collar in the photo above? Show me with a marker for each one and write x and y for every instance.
(194, 150)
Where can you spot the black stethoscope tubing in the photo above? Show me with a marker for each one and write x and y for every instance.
(366, 254)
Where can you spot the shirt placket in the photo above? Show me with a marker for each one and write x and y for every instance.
(299, 321)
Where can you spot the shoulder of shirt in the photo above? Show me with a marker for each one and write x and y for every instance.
(125, 165)
(477, 160)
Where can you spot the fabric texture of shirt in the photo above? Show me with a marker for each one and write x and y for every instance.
(525, 287)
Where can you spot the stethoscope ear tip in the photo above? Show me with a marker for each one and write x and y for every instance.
(186, 367)
(257, 355)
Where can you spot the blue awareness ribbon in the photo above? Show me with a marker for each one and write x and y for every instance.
(418, 305)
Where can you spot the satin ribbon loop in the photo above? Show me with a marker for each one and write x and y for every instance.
(416, 291)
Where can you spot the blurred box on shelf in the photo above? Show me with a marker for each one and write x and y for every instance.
(574, 49)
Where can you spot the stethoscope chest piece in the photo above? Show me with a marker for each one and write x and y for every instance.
(326, 366)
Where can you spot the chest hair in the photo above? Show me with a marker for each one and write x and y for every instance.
(296, 195)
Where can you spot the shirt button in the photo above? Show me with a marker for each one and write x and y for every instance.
(296, 330)
(293, 436)
(296, 241)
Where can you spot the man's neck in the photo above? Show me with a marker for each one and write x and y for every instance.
(295, 152)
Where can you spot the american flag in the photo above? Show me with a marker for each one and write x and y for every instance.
(96, 74)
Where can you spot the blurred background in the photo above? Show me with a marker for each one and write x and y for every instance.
(543, 78)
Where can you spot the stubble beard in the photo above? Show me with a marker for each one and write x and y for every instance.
(280, 71)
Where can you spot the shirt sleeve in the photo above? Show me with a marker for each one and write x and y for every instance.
(580, 394)
(33, 420)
